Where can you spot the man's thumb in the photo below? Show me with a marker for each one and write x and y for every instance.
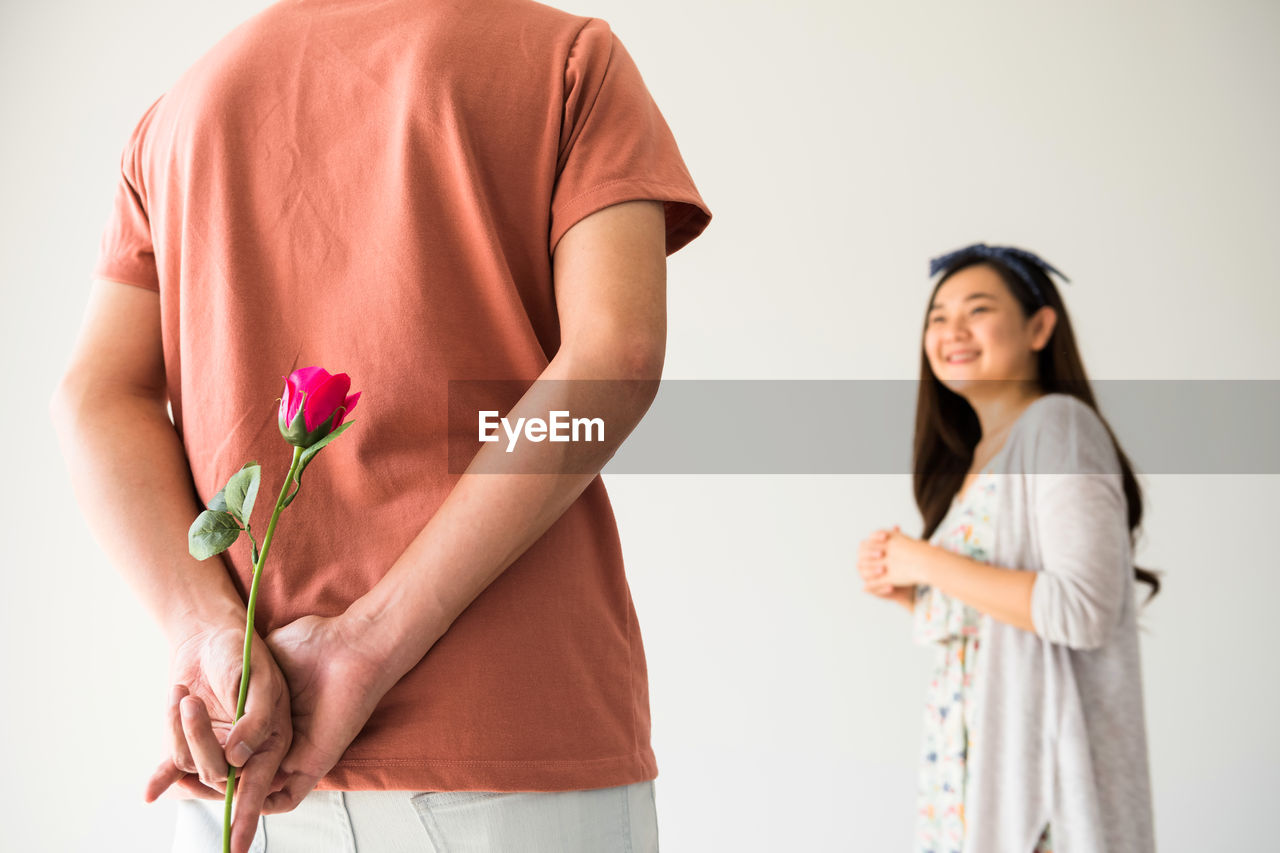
(251, 731)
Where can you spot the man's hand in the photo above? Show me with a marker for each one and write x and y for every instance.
(111, 413)
(205, 673)
(335, 682)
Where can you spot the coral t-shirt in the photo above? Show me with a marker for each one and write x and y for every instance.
(377, 188)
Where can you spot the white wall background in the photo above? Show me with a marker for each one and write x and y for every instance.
(839, 145)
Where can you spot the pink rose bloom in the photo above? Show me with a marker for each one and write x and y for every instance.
(314, 404)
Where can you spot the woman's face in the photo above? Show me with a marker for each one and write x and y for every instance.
(976, 332)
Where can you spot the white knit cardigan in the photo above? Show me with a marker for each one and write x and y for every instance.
(1060, 733)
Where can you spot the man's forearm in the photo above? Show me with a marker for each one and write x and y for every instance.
(489, 519)
(133, 483)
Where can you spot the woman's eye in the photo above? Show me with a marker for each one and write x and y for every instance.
(979, 308)
(936, 318)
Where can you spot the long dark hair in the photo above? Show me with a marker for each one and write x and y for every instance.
(947, 428)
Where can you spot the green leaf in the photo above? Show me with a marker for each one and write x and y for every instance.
(212, 533)
(310, 452)
(219, 501)
(242, 491)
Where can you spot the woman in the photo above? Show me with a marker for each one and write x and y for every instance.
(1023, 577)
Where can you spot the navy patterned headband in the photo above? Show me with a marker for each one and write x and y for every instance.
(1019, 261)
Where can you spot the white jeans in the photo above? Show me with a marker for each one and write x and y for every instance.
(606, 820)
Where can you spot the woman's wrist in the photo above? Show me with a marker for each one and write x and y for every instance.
(930, 563)
(939, 567)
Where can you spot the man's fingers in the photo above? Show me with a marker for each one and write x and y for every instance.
(252, 730)
(242, 831)
(251, 792)
(192, 785)
(162, 779)
(181, 754)
(205, 749)
(167, 776)
(296, 787)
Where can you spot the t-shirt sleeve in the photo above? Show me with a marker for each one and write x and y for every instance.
(615, 145)
(126, 253)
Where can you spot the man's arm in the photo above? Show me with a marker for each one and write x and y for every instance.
(128, 464)
(610, 287)
(126, 461)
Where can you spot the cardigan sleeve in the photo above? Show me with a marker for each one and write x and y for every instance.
(1081, 524)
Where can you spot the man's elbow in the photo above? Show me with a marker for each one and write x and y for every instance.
(612, 371)
(641, 358)
(65, 402)
(83, 399)
(633, 359)
(638, 363)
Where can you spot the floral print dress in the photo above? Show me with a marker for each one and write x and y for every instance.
(952, 628)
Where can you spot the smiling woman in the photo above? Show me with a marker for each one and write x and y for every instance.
(1029, 507)
(976, 330)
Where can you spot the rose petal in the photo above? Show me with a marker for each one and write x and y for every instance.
(326, 398)
(292, 399)
(284, 403)
(309, 378)
(345, 409)
(301, 385)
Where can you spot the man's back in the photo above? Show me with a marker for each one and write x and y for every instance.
(379, 187)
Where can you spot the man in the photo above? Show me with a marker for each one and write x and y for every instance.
(413, 192)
